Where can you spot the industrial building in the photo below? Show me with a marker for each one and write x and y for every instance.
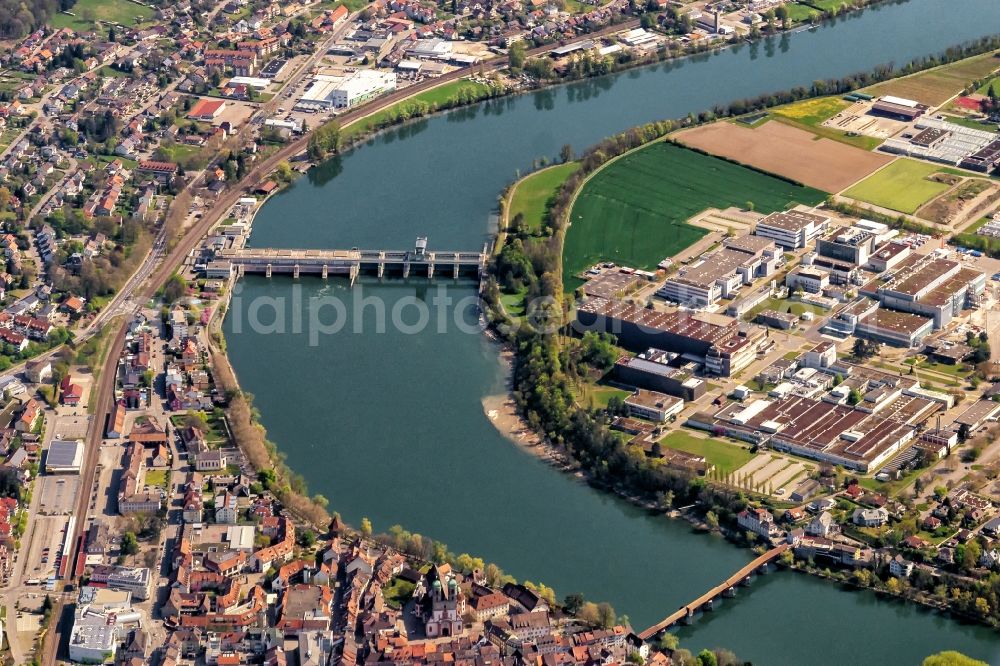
(652, 370)
(929, 286)
(808, 279)
(888, 256)
(722, 273)
(945, 142)
(653, 406)
(816, 429)
(64, 457)
(342, 92)
(898, 108)
(791, 229)
(898, 329)
(715, 340)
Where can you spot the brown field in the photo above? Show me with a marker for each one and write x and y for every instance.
(825, 164)
(936, 86)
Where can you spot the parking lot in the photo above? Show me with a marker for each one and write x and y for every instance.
(46, 543)
(57, 494)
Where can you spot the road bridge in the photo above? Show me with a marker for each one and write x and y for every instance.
(350, 263)
(725, 589)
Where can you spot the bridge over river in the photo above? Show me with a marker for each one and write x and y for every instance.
(725, 589)
(349, 263)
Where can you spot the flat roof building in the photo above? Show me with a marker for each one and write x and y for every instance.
(722, 273)
(791, 229)
(899, 329)
(362, 86)
(816, 429)
(928, 286)
(652, 370)
(64, 457)
(653, 406)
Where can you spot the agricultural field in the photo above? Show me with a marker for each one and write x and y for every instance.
(436, 97)
(935, 86)
(532, 194)
(793, 152)
(904, 185)
(725, 456)
(633, 211)
(86, 12)
(813, 112)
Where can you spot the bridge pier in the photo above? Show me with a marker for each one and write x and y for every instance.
(454, 273)
(295, 272)
(709, 605)
(729, 592)
(688, 617)
(406, 269)
(381, 268)
(267, 271)
(355, 269)
(430, 271)
(326, 271)
(746, 581)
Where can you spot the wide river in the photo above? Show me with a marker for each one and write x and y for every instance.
(387, 421)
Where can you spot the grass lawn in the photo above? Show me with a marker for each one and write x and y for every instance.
(725, 456)
(971, 123)
(813, 112)
(974, 227)
(514, 303)
(634, 211)
(801, 13)
(436, 97)
(215, 432)
(784, 305)
(532, 194)
(115, 11)
(157, 477)
(598, 395)
(398, 592)
(903, 185)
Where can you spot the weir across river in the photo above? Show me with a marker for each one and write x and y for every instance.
(350, 263)
(725, 589)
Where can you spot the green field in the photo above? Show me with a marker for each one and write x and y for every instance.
(801, 13)
(902, 186)
(725, 456)
(813, 112)
(532, 194)
(436, 97)
(86, 12)
(935, 86)
(634, 210)
(157, 477)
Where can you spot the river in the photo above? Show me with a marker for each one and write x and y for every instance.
(390, 425)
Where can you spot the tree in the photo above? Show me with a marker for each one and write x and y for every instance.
(854, 397)
(175, 289)
(668, 641)
(130, 545)
(366, 526)
(516, 54)
(606, 615)
(573, 603)
(566, 153)
(306, 538)
(952, 658)
(283, 171)
(712, 520)
(707, 658)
